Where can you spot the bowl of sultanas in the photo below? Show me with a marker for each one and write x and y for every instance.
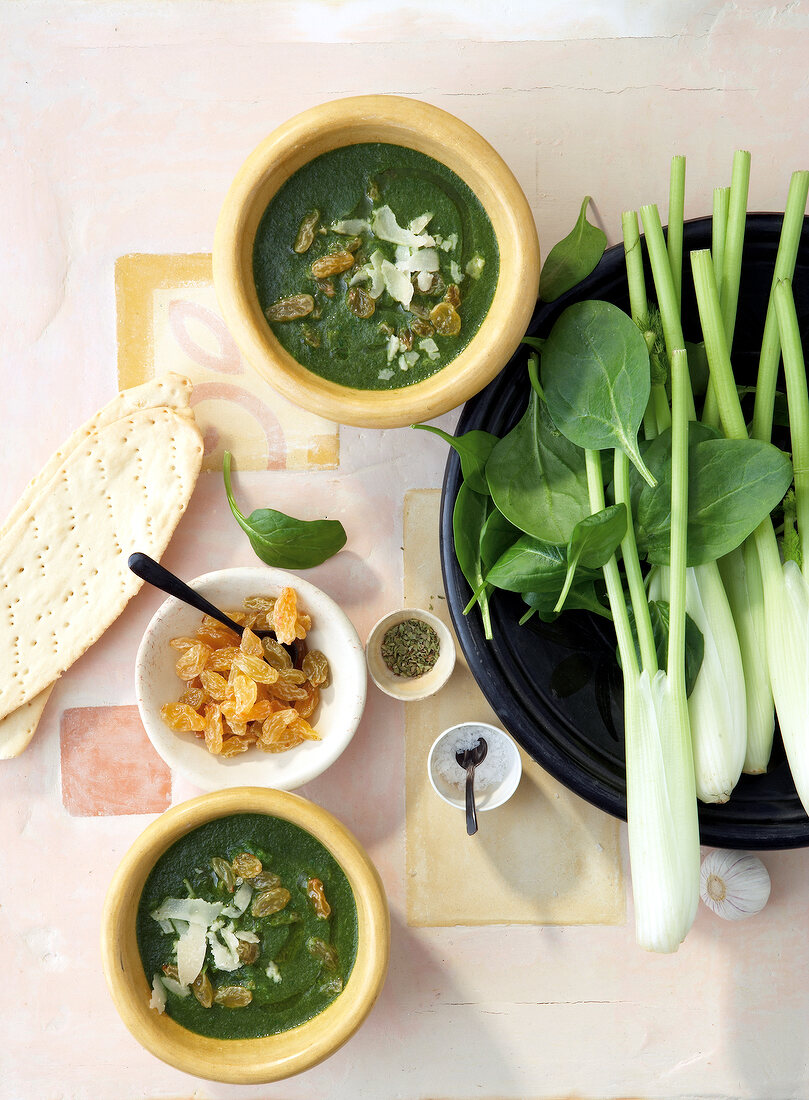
(274, 706)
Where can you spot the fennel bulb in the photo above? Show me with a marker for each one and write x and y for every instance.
(662, 819)
(717, 705)
(741, 576)
(787, 596)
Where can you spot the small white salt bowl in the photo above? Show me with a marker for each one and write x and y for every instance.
(502, 760)
(410, 688)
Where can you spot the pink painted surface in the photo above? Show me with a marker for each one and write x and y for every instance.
(123, 125)
(109, 765)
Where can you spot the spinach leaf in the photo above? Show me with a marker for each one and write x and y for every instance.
(733, 484)
(586, 595)
(283, 541)
(497, 535)
(473, 450)
(468, 518)
(537, 477)
(593, 542)
(531, 565)
(573, 258)
(694, 642)
(595, 375)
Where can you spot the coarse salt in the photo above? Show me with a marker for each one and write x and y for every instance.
(491, 772)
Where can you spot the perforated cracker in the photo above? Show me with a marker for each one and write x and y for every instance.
(63, 573)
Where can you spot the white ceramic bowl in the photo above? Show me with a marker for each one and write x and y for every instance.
(417, 687)
(485, 799)
(341, 701)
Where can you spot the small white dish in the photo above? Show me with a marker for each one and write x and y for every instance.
(410, 688)
(502, 751)
(341, 702)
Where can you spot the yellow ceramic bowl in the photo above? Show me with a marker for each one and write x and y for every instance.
(243, 1061)
(428, 130)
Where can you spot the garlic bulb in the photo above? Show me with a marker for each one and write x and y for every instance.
(734, 884)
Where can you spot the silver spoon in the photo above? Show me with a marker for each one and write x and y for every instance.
(469, 759)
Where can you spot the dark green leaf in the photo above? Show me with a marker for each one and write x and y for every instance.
(535, 342)
(593, 542)
(531, 565)
(283, 541)
(473, 450)
(468, 519)
(595, 375)
(694, 642)
(573, 258)
(496, 537)
(587, 595)
(733, 484)
(537, 477)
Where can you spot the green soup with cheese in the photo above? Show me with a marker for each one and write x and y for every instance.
(246, 927)
(375, 265)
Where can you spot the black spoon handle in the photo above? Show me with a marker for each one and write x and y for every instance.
(471, 815)
(153, 573)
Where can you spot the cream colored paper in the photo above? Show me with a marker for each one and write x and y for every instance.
(546, 856)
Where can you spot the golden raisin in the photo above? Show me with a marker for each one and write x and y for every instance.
(306, 232)
(360, 302)
(269, 901)
(446, 319)
(181, 718)
(317, 895)
(202, 989)
(233, 996)
(284, 616)
(315, 667)
(250, 643)
(293, 308)
(213, 729)
(421, 328)
(453, 295)
(333, 264)
(193, 661)
(246, 865)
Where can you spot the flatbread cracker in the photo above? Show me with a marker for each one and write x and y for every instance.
(120, 483)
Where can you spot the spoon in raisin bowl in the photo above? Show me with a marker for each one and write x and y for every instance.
(469, 759)
(159, 577)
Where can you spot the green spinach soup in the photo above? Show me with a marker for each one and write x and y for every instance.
(375, 265)
(246, 927)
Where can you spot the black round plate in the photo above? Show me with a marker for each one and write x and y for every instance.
(557, 687)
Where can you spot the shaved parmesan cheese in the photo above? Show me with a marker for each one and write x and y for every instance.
(403, 252)
(174, 987)
(352, 227)
(384, 375)
(385, 226)
(158, 1000)
(246, 935)
(362, 275)
(378, 261)
(223, 957)
(193, 910)
(166, 927)
(430, 348)
(397, 283)
(455, 272)
(475, 266)
(402, 363)
(424, 259)
(273, 973)
(424, 280)
(229, 938)
(393, 347)
(191, 953)
(241, 899)
(450, 243)
(411, 358)
(418, 225)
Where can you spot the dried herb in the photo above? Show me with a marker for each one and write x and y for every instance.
(410, 648)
